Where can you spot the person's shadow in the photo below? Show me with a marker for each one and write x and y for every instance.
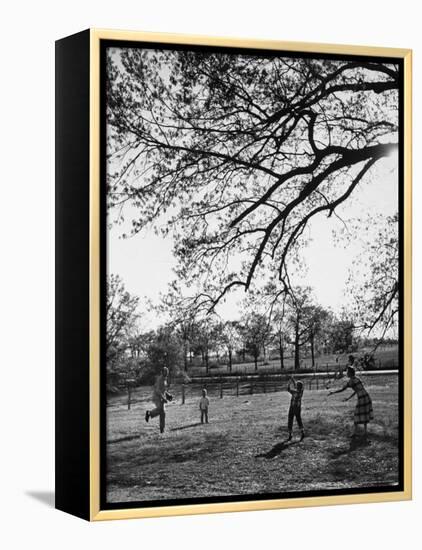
(277, 449)
(354, 444)
(45, 497)
(185, 427)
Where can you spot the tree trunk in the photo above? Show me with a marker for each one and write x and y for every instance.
(255, 357)
(185, 356)
(206, 361)
(230, 360)
(297, 345)
(281, 349)
(312, 351)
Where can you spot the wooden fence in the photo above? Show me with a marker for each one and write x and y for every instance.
(250, 386)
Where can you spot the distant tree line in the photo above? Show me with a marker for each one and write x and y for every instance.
(266, 329)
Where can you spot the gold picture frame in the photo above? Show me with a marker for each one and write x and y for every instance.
(91, 508)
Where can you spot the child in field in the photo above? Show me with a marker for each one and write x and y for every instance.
(204, 403)
(363, 411)
(296, 391)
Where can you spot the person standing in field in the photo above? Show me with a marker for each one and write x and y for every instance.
(204, 403)
(160, 396)
(363, 411)
(295, 411)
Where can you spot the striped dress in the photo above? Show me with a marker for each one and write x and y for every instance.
(363, 412)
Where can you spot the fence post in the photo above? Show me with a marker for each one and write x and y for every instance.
(265, 383)
(237, 388)
(183, 394)
(251, 388)
(128, 396)
(221, 388)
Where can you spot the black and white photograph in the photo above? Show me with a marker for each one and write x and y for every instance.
(252, 342)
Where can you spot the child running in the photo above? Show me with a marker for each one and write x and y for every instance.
(296, 391)
(363, 411)
(204, 403)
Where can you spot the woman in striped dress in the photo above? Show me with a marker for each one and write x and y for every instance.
(363, 411)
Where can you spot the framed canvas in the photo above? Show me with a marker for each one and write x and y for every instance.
(233, 274)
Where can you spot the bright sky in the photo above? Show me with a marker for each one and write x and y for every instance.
(145, 261)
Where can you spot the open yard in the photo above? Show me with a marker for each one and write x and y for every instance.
(243, 450)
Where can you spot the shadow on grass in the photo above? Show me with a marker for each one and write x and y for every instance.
(385, 437)
(277, 449)
(121, 439)
(362, 441)
(186, 427)
(354, 444)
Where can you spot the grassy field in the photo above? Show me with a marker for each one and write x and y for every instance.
(244, 450)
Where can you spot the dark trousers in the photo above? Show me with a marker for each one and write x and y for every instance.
(159, 411)
(294, 412)
(204, 416)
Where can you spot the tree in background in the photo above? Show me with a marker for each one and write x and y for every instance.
(256, 334)
(164, 350)
(341, 335)
(121, 314)
(280, 331)
(316, 318)
(139, 342)
(275, 303)
(374, 282)
(230, 338)
(206, 338)
(299, 302)
(183, 319)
